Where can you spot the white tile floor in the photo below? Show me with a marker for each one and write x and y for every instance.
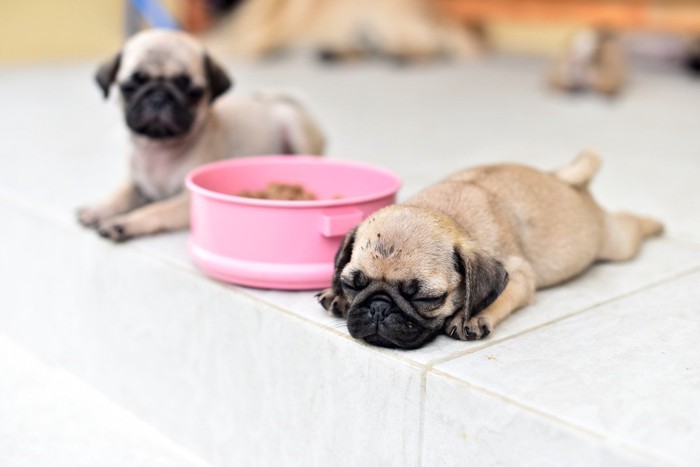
(603, 370)
(50, 418)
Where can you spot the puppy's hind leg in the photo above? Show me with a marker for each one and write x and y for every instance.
(624, 233)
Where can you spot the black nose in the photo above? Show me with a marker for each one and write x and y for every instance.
(380, 307)
(158, 98)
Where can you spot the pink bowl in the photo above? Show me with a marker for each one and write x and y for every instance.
(280, 244)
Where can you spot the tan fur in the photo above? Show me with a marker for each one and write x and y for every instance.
(593, 60)
(544, 228)
(230, 127)
(401, 28)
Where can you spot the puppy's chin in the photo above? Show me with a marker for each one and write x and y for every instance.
(394, 331)
(162, 124)
(158, 128)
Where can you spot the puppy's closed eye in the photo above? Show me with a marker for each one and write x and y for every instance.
(430, 302)
(348, 286)
(356, 282)
(130, 86)
(139, 77)
(127, 88)
(183, 82)
(432, 299)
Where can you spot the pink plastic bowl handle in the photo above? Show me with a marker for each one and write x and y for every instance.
(340, 222)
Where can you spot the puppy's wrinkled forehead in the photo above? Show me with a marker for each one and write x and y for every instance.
(399, 241)
(162, 53)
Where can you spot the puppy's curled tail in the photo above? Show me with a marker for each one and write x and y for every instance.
(579, 172)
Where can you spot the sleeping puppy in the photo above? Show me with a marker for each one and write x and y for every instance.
(463, 254)
(170, 90)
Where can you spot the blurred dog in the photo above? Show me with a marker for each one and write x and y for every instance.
(170, 91)
(403, 30)
(463, 254)
(592, 61)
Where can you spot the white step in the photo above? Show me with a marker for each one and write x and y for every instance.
(600, 371)
(48, 417)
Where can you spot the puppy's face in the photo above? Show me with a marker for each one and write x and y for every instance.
(404, 271)
(166, 82)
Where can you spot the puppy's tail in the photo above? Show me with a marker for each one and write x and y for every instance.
(579, 172)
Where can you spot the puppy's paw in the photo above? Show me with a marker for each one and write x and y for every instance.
(325, 298)
(90, 216)
(115, 229)
(334, 303)
(475, 328)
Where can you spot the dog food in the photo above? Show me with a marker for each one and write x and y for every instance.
(280, 191)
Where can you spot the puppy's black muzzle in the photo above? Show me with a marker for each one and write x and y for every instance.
(157, 111)
(370, 314)
(380, 321)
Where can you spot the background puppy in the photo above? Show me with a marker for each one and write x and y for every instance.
(170, 91)
(592, 61)
(463, 254)
(405, 30)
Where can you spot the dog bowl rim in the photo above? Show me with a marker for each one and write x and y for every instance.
(394, 178)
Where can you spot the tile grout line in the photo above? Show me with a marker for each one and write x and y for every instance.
(422, 415)
(14, 201)
(159, 258)
(654, 284)
(154, 256)
(611, 441)
(232, 288)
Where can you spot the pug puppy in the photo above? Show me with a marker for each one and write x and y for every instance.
(460, 256)
(171, 93)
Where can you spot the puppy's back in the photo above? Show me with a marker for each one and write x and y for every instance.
(518, 210)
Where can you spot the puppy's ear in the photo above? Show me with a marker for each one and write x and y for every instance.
(107, 72)
(342, 258)
(217, 79)
(483, 278)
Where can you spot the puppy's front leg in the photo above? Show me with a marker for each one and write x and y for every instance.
(333, 302)
(170, 214)
(124, 199)
(518, 293)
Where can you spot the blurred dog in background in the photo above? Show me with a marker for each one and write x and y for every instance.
(404, 30)
(592, 61)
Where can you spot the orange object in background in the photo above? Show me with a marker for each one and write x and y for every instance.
(196, 16)
(671, 15)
